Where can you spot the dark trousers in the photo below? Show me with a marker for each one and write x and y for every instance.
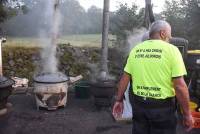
(156, 120)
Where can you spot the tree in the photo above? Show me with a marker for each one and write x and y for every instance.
(125, 19)
(193, 22)
(74, 17)
(184, 17)
(94, 15)
(26, 24)
(9, 8)
(175, 13)
(3, 13)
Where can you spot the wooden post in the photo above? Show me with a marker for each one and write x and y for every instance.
(1, 65)
(55, 25)
(105, 29)
(2, 40)
(149, 17)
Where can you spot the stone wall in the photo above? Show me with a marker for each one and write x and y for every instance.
(24, 61)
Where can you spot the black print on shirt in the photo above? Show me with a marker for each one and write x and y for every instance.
(147, 92)
(149, 53)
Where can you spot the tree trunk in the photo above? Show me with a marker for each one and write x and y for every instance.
(104, 50)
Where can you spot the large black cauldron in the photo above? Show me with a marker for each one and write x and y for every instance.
(103, 91)
(5, 90)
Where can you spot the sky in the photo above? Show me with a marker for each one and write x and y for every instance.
(158, 4)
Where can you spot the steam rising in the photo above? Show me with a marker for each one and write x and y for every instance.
(134, 38)
(97, 74)
(48, 35)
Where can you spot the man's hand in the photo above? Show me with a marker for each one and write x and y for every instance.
(182, 96)
(118, 106)
(118, 109)
(188, 122)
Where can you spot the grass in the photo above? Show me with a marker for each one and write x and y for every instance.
(24, 42)
(85, 40)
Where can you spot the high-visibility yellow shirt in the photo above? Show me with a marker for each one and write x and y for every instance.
(152, 64)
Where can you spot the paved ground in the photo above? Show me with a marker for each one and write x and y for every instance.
(79, 117)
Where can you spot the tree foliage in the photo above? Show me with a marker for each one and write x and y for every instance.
(126, 19)
(184, 17)
(9, 8)
(3, 13)
(175, 14)
(193, 22)
(75, 19)
(94, 15)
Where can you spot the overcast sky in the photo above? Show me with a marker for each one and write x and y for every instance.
(158, 4)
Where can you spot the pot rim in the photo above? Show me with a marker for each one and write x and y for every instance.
(62, 78)
(56, 82)
(102, 84)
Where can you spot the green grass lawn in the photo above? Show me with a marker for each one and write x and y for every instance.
(85, 40)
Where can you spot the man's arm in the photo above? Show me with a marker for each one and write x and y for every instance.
(118, 106)
(182, 96)
(125, 79)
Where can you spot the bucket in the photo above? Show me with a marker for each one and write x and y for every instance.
(193, 106)
(82, 90)
(196, 117)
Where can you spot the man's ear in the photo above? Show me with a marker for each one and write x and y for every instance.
(163, 35)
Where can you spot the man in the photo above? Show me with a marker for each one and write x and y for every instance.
(156, 69)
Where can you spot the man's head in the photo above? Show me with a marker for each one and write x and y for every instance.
(160, 30)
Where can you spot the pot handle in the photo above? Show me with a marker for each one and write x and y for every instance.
(75, 79)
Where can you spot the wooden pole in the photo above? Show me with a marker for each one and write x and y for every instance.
(1, 66)
(55, 25)
(2, 40)
(149, 17)
(105, 29)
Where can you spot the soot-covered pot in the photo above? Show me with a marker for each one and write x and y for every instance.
(51, 90)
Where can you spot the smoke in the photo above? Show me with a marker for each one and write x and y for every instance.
(48, 36)
(134, 38)
(96, 73)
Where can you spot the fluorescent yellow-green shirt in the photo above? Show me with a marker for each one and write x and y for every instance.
(152, 64)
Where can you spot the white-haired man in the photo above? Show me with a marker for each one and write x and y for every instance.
(156, 69)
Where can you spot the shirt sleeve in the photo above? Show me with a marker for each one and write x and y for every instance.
(178, 66)
(127, 67)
